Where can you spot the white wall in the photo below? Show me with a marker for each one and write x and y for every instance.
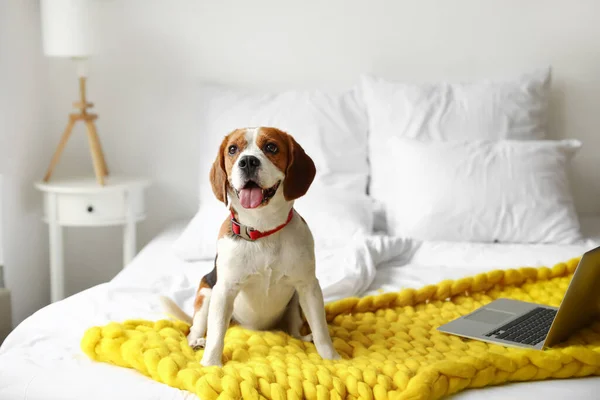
(23, 147)
(153, 53)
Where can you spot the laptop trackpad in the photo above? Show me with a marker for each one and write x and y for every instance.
(489, 316)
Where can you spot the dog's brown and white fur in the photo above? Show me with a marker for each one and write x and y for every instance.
(261, 284)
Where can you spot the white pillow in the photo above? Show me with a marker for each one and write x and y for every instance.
(479, 191)
(331, 127)
(333, 215)
(485, 109)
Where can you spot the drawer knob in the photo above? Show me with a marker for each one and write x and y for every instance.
(90, 209)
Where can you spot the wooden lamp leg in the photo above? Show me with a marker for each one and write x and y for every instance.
(60, 148)
(94, 134)
(96, 153)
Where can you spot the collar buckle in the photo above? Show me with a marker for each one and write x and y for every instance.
(243, 231)
(251, 234)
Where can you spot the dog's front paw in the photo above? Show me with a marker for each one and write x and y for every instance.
(332, 355)
(197, 343)
(328, 353)
(306, 338)
(210, 362)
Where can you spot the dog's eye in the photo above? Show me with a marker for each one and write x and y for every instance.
(232, 149)
(271, 148)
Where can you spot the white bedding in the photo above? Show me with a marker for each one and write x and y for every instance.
(41, 358)
(436, 261)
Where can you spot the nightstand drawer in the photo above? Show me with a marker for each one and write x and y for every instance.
(105, 206)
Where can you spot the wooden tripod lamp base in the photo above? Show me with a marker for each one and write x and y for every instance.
(100, 168)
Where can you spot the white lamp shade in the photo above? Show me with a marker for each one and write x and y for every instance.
(67, 28)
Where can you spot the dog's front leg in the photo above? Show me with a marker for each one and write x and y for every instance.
(311, 301)
(219, 316)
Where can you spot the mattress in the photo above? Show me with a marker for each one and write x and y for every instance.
(41, 358)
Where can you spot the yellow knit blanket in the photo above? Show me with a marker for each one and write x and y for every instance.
(389, 345)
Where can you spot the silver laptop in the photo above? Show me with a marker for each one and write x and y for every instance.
(517, 323)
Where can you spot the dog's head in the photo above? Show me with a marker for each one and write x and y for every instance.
(258, 164)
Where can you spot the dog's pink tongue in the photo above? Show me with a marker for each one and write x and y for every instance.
(251, 198)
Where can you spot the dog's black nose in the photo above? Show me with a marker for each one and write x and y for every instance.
(249, 164)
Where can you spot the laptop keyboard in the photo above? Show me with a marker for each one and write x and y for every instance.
(530, 328)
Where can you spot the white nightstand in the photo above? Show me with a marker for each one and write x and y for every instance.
(83, 202)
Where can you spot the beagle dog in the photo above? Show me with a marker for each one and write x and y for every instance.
(264, 273)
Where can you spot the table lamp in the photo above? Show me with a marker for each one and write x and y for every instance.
(67, 32)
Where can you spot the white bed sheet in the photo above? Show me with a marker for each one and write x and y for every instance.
(41, 358)
(435, 261)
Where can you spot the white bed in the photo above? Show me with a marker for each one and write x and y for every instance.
(41, 358)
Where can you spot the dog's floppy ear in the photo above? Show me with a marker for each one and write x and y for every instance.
(218, 175)
(299, 173)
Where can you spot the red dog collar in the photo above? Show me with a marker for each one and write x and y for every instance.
(251, 234)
